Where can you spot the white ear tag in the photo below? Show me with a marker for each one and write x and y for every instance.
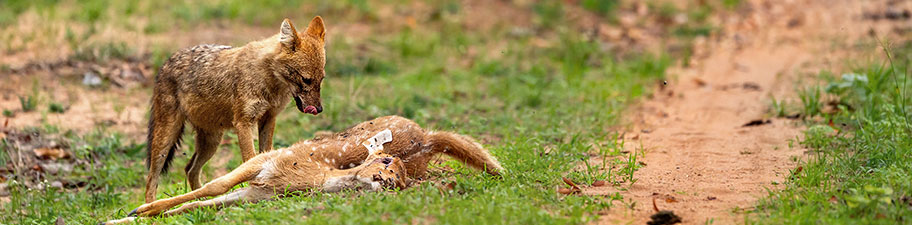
(376, 142)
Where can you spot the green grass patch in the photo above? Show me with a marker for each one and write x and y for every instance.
(860, 170)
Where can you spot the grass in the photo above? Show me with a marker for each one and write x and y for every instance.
(543, 112)
(56, 108)
(28, 103)
(860, 169)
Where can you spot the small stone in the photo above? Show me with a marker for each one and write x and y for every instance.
(91, 79)
(57, 184)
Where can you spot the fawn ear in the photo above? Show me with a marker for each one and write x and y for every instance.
(316, 28)
(288, 36)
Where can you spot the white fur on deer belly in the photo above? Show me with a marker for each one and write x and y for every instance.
(267, 170)
(336, 184)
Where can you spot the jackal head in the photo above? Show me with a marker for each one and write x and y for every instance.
(300, 62)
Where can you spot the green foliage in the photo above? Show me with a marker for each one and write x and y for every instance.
(548, 13)
(10, 9)
(92, 11)
(731, 4)
(603, 7)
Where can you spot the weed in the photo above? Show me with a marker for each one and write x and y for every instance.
(28, 103)
(777, 107)
(103, 52)
(548, 13)
(56, 108)
(603, 7)
(810, 101)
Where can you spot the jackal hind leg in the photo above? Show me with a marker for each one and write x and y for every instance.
(164, 138)
(207, 143)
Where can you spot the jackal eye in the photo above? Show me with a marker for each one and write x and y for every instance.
(307, 81)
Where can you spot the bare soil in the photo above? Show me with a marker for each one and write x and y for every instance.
(701, 161)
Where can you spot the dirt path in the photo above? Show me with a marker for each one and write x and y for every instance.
(701, 162)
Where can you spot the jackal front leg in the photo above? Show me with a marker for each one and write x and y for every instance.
(266, 129)
(245, 139)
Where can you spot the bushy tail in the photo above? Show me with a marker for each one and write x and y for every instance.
(171, 150)
(466, 150)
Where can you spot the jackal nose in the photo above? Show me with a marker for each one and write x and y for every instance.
(319, 109)
(387, 160)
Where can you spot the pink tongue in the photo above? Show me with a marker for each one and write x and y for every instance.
(310, 109)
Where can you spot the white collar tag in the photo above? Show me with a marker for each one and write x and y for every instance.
(376, 142)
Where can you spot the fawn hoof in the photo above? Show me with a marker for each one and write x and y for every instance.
(132, 213)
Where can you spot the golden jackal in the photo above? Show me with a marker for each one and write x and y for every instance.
(222, 87)
(377, 154)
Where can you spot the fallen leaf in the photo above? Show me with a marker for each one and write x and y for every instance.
(598, 183)
(50, 153)
(670, 199)
(699, 82)
(834, 200)
(568, 191)
(569, 182)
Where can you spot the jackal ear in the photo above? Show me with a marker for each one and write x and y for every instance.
(288, 36)
(316, 29)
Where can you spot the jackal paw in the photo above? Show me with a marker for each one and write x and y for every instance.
(148, 209)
